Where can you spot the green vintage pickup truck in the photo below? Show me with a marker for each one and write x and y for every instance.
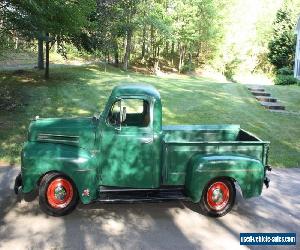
(126, 155)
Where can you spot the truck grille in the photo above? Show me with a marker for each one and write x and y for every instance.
(66, 139)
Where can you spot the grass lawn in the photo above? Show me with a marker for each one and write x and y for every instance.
(81, 91)
(288, 95)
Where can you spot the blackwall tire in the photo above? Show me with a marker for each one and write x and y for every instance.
(218, 197)
(58, 195)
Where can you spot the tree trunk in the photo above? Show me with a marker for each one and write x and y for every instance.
(116, 53)
(144, 42)
(127, 50)
(47, 57)
(172, 53)
(152, 41)
(173, 48)
(167, 48)
(108, 58)
(197, 57)
(16, 42)
(190, 61)
(198, 54)
(181, 57)
(40, 52)
(124, 49)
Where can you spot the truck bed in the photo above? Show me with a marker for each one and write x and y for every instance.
(181, 142)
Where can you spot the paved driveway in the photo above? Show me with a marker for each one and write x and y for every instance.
(172, 225)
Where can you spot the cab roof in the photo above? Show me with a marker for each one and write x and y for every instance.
(135, 89)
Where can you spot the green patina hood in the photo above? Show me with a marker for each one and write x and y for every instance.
(71, 131)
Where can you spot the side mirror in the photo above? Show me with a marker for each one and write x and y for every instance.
(96, 117)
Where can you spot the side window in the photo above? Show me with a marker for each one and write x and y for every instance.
(114, 114)
(130, 112)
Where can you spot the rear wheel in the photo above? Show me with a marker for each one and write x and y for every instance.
(218, 197)
(57, 194)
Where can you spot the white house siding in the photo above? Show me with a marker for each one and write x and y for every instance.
(297, 57)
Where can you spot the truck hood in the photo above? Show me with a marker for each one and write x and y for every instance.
(71, 131)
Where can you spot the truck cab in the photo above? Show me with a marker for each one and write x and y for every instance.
(126, 155)
(130, 138)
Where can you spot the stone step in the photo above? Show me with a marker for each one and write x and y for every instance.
(273, 105)
(259, 93)
(256, 89)
(266, 99)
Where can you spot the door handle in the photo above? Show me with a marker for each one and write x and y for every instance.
(146, 140)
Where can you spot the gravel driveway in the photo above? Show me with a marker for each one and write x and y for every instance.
(172, 225)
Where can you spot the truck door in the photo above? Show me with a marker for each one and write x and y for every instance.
(127, 144)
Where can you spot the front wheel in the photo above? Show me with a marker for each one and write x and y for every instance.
(57, 194)
(218, 197)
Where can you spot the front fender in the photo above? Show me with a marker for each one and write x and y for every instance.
(77, 163)
(248, 172)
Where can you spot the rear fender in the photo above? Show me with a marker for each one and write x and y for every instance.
(39, 159)
(248, 172)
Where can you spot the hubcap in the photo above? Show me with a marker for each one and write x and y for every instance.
(59, 193)
(217, 196)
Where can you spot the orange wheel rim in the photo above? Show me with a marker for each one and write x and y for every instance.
(59, 193)
(218, 195)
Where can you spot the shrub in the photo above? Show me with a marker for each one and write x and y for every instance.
(286, 80)
(285, 71)
(231, 68)
(187, 68)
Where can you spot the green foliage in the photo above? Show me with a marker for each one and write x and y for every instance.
(219, 33)
(46, 21)
(247, 35)
(263, 64)
(231, 68)
(3, 44)
(286, 80)
(187, 68)
(57, 17)
(285, 71)
(159, 30)
(285, 76)
(282, 44)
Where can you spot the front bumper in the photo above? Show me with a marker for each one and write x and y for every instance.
(267, 180)
(18, 183)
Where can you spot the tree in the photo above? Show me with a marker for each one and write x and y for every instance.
(156, 24)
(197, 29)
(282, 44)
(45, 20)
(129, 11)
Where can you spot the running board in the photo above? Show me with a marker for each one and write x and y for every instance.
(134, 196)
(104, 189)
(141, 200)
